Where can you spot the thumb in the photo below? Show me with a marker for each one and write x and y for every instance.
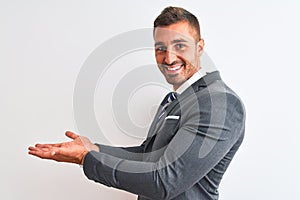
(71, 135)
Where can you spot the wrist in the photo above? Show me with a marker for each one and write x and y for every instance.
(82, 157)
(95, 148)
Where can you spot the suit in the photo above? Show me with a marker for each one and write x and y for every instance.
(185, 153)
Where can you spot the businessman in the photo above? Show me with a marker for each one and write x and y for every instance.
(193, 137)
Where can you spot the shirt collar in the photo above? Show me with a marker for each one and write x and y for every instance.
(195, 77)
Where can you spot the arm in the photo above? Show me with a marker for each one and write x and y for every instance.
(128, 153)
(75, 150)
(201, 142)
(198, 146)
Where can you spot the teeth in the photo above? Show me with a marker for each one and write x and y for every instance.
(174, 68)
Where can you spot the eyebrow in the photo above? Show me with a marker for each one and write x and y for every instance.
(173, 42)
(178, 41)
(158, 43)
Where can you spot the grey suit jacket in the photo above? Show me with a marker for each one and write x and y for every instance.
(185, 154)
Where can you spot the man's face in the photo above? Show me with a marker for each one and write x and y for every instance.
(177, 52)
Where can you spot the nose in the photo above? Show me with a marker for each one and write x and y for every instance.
(170, 57)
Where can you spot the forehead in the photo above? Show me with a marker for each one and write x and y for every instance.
(180, 30)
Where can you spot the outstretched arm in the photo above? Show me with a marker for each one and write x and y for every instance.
(206, 142)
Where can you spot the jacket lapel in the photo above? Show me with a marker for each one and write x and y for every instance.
(191, 90)
(194, 88)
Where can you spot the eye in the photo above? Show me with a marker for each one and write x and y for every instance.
(179, 46)
(161, 49)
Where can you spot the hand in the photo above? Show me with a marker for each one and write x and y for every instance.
(72, 152)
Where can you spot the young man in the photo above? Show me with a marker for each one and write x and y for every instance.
(196, 132)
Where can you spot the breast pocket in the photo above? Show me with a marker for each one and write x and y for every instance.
(166, 132)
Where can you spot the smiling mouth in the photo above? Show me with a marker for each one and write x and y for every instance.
(174, 69)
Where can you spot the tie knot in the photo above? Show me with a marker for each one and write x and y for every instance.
(166, 102)
(172, 96)
(169, 98)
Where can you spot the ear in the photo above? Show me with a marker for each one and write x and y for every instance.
(200, 46)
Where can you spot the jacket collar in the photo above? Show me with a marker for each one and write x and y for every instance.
(202, 83)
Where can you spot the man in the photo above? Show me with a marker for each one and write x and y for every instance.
(193, 137)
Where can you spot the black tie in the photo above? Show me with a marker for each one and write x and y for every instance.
(166, 102)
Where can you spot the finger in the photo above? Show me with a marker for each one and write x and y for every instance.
(38, 148)
(32, 148)
(41, 149)
(48, 145)
(42, 154)
(71, 135)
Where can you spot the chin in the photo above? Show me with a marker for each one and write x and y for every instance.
(175, 82)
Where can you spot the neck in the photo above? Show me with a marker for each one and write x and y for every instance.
(175, 87)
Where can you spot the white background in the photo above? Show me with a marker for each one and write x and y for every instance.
(43, 44)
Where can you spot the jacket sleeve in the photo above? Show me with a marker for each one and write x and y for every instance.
(206, 134)
(127, 153)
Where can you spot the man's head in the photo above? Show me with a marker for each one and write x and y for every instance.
(178, 44)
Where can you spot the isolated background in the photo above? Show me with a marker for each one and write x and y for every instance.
(43, 44)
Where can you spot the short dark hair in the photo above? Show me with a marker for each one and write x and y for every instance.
(171, 15)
